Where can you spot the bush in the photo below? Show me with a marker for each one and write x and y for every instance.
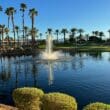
(58, 101)
(97, 106)
(28, 98)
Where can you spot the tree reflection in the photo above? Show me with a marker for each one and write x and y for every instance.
(34, 71)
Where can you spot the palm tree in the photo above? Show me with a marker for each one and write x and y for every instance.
(1, 8)
(96, 33)
(49, 31)
(109, 33)
(40, 34)
(64, 31)
(80, 31)
(73, 31)
(57, 33)
(23, 7)
(12, 12)
(0, 35)
(8, 13)
(26, 33)
(33, 13)
(17, 32)
(101, 34)
(87, 37)
(7, 34)
(93, 33)
(33, 32)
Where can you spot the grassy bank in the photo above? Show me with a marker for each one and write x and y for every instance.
(82, 48)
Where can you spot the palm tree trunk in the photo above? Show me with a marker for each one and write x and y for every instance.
(64, 37)
(18, 38)
(23, 27)
(57, 37)
(33, 37)
(13, 28)
(2, 38)
(109, 35)
(8, 21)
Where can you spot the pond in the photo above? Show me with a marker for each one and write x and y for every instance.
(86, 76)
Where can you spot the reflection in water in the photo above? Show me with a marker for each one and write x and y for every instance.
(50, 73)
(29, 71)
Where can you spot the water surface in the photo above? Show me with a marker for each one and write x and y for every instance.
(86, 76)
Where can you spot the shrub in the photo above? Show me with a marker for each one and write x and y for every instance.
(58, 101)
(97, 106)
(28, 98)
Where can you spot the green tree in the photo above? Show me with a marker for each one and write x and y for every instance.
(23, 7)
(64, 31)
(33, 13)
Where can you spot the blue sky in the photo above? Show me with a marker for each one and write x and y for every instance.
(87, 14)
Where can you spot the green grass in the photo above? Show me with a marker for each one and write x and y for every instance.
(85, 48)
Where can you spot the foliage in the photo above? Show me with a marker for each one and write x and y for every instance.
(59, 101)
(97, 106)
(28, 98)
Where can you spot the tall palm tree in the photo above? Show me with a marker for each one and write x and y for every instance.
(1, 8)
(96, 33)
(8, 13)
(12, 12)
(64, 31)
(73, 31)
(101, 34)
(0, 34)
(23, 7)
(33, 13)
(40, 34)
(57, 33)
(109, 33)
(49, 31)
(26, 33)
(33, 32)
(17, 32)
(80, 31)
(7, 34)
(87, 37)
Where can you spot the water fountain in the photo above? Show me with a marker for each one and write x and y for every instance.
(48, 54)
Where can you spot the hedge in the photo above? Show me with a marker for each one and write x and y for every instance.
(28, 98)
(58, 101)
(97, 106)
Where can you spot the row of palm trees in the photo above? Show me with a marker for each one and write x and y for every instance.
(74, 31)
(10, 12)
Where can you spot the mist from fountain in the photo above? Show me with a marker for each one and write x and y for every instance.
(48, 54)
